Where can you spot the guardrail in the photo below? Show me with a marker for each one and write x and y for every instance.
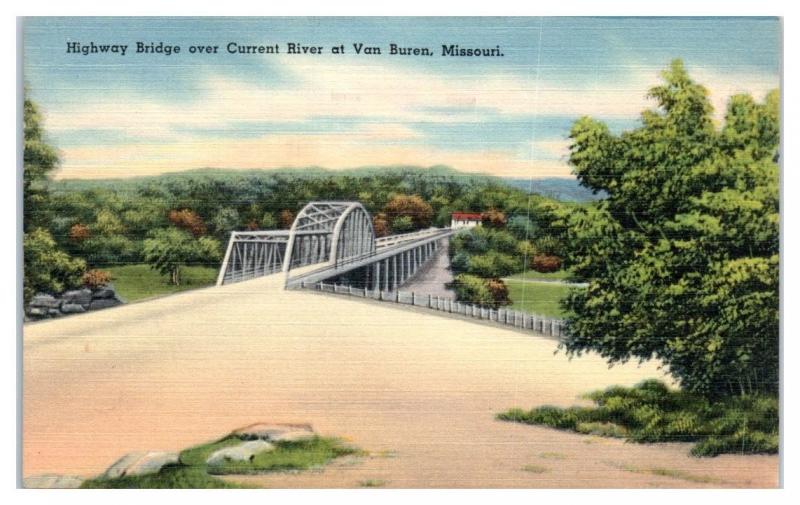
(539, 324)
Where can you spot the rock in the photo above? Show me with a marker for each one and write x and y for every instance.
(72, 308)
(46, 301)
(104, 303)
(37, 311)
(104, 292)
(140, 463)
(52, 482)
(275, 432)
(78, 297)
(54, 313)
(245, 451)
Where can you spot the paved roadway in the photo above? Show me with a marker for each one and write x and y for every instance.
(417, 389)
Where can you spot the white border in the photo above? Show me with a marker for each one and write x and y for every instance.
(408, 7)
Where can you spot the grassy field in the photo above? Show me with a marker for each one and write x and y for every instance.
(540, 298)
(550, 276)
(137, 282)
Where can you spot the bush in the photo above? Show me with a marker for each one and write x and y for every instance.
(79, 232)
(499, 292)
(493, 265)
(543, 263)
(46, 268)
(188, 220)
(402, 224)
(650, 412)
(411, 206)
(493, 218)
(95, 278)
(471, 289)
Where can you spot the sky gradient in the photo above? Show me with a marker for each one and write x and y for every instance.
(144, 114)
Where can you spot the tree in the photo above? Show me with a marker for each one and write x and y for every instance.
(681, 257)
(38, 161)
(225, 221)
(79, 232)
(46, 268)
(412, 206)
(286, 219)
(188, 220)
(402, 224)
(493, 218)
(380, 224)
(168, 250)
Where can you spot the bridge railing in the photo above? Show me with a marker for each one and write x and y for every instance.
(547, 326)
(391, 240)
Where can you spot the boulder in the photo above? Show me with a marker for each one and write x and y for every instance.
(77, 297)
(245, 451)
(54, 313)
(45, 301)
(72, 308)
(140, 463)
(52, 482)
(275, 432)
(37, 311)
(104, 292)
(104, 303)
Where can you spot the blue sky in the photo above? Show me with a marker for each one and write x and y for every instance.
(115, 116)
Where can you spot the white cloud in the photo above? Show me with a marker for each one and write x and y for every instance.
(383, 98)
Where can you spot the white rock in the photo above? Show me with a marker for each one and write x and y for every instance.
(242, 452)
(273, 431)
(52, 482)
(293, 436)
(140, 463)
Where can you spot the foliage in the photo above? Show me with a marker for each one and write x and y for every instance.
(167, 250)
(493, 264)
(268, 221)
(79, 232)
(650, 412)
(188, 220)
(402, 224)
(225, 221)
(545, 264)
(380, 224)
(522, 227)
(38, 160)
(170, 477)
(46, 268)
(95, 278)
(410, 206)
(103, 250)
(479, 291)
(286, 219)
(493, 218)
(682, 255)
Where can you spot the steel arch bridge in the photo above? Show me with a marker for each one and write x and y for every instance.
(323, 232)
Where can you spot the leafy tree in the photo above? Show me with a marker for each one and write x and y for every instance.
(108, 223)
(412, 206)
(522, 227)
(380, 224)
(682, 255)
(79, 232)
(402, 224)
(167, 250)
(38, 160)
(225, 221)
(493, 218)
(188, 220)
(46, 268)
(268, 221)
(286, 219)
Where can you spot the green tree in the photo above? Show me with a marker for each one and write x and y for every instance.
(169, 249)
(38, 160)
(46, 268)
(682, 255)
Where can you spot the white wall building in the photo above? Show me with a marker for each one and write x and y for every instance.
(464, 219)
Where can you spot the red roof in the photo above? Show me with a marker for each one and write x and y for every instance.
(468, 216)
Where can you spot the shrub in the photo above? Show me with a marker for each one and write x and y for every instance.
(544, 263)
(402, 224)
(650, 412)
(493, 265)
(380, 224)
(499, 292)
(472, 289)
(286, 219)
(96, 278)
(412, 206)
(493, 218)
(188, 220)
(79, 232)
(47, 268)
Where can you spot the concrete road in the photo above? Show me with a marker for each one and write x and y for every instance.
(417, 389)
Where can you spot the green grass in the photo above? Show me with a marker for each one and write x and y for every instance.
(137, 282)
(535, 469)
(191, 471)
(372, 483)
(549, 276)
(650, 412)
(671, 473)
(541, 298)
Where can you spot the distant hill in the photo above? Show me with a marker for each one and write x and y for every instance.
(558, 188)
